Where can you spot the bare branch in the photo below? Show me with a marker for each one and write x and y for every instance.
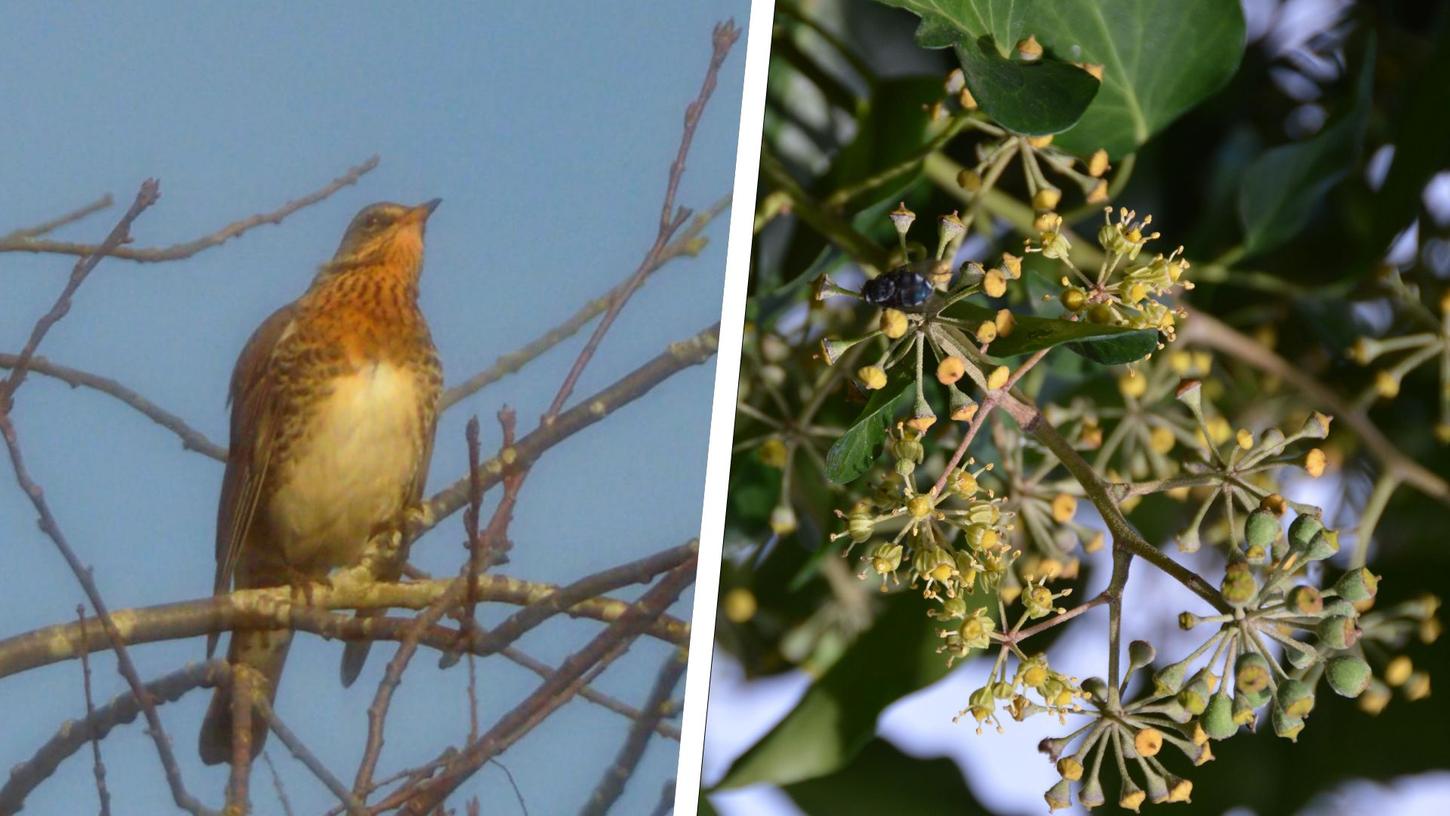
(120, 234)
(548, 697)
(688, 242)
(178, 252)
(589, 693)
(56, 223)
(678, 356)
(191, 439)
(98, 767)
(723, 39)
(277, 785)
(301, 752)
(145, 197)
(276, 607)
(69, 738)
(656, 707)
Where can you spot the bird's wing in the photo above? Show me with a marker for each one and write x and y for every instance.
(253, 399)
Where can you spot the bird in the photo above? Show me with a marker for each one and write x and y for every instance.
(334, 404)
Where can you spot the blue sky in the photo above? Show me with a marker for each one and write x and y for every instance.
(547, 128)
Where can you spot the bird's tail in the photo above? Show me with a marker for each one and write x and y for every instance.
(355, 652)
(265, 652)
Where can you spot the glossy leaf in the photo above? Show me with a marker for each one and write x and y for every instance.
(1158, 59)
(857, 449)
(1284, 185)
(1037, 98)
(1105, 345)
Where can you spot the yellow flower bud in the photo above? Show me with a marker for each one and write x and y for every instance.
(1064, 507)
(739, 605)
(1046, 199)
(1006, 322)
(773, 453)
(994, 283)
(950, 369)
(1314, 462)
(1148, 742)
(893, 323)
(1133, 384)
(998, 377)
(1386, 385)
(986, 332)
(872, 377)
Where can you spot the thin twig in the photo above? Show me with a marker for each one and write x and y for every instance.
(191, 439)
(1202, 328)
(458, 591)
(666, 804)
(723, 39)
(98, 767)
(148, 194)
(687, 243)
(277, 785)
(69, 738)
(304, 755)
(181, 251)
(548, 697)
(656, 707)
(679, 356)
(56, 223)
(589, 693)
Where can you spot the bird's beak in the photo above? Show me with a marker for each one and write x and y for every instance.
(420, 213)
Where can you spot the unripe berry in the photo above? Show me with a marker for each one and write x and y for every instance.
(1357, 585)
(1285, 724)
(1217, 719)
(1338, 632)
(1261, 528)
(1348, 675)
(1073, 299)
(1296, 697)
(1239, 586)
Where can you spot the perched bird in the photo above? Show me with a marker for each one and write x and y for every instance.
(334, 401)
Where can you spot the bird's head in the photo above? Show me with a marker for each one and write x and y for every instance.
(385, 233)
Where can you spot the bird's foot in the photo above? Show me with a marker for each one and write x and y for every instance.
(419, 516)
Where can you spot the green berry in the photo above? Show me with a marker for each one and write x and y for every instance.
(1338, 632)
(1217, 719)
(1261, 528)
(1296, 697)
(1348, 675)
(1357, 585)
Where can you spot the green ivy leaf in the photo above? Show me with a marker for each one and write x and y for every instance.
(1037, 98)
(1282, 186)
(837, 716)
(1105, 345)
(857, 449)
(1159, 59)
